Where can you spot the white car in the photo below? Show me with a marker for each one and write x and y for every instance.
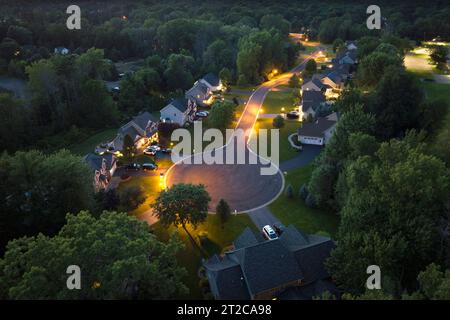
(269, 233)
(154, 148)
(202, 114)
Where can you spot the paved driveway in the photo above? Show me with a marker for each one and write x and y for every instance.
(241, 185)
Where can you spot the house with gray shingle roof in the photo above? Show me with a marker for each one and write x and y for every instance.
(200, 93)
(318, 132)
(212, 81)
(314, 84)
(311, 100)
(180, 110)
(265, 269)
(142, 128)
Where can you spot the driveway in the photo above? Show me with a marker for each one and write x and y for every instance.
(241, 185)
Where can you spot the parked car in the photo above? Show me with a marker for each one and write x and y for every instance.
(202, 114)
(293, 114)
(269, 233)
(133, 167)
(154, 147)
(149, 167)
(166, 150)
(149, 151)
(278, 227)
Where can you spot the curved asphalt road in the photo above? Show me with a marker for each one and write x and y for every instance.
(241, 185)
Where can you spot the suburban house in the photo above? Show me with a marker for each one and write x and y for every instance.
(143, 129)
(334, 80)
(314, 84)
(179, 111)
(347, 57)
(200, 93)
(311, 100)
(318, 132)
(289, 267)
(212, 82)
(103, 167)
(61, 50)
(343, 70)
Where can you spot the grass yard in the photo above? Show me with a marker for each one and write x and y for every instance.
(151, 186)
(294, 211)
(275, 100)
(218, 238)
(90, 143)
(286, 151)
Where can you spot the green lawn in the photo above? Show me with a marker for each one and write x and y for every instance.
(217, 238)
(151, 186)
(294, 211)
(88, 145)
(286, 151)
(275, 100)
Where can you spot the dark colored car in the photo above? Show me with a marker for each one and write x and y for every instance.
(279, 228)
(149, 166)
(292, 115)
(166, 150)
(133, 167)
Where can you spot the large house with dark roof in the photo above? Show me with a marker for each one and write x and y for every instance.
(181, 111)
(143, 129)
(318, 132)
(291, 266)
(311, 101)
(200, 93)
(314, 84)
(212, 81)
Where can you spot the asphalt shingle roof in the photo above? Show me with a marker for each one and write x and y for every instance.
(143, 119)
(180, 104)
(247, 238)
(266, 266)
(312, 99)
(212, 79)
(226, 279)
(316, 128)
(255, 267)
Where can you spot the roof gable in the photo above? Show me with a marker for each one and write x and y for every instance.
(267, 265)
(143, 119)
(212, 79)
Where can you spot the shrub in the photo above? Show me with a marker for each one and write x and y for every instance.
(310, 201)
(289, 192)
(303, 192)
(278, 122)
(131, 197)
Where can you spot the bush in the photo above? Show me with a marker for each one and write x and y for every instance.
(289, 192)
(303, 192)
(278, 122)
(131, 197)
(310, 201)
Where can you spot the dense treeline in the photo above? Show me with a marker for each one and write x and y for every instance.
(378, 173)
